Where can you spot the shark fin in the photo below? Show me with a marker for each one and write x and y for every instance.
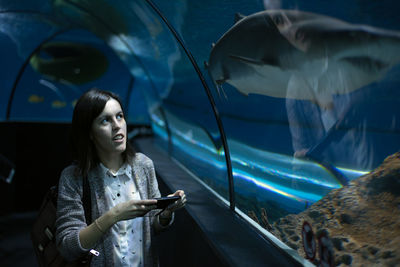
(238, 17)
(225, 76)
(247, 60)
(272, 61)
(263, 61)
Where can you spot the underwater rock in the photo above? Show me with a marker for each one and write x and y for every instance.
(346, 259)
(264, 219)
(337, 243)
(253, 216)
(362, 218)
(345, 218)
(373, 250)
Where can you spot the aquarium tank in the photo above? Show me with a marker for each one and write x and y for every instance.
(288, 110)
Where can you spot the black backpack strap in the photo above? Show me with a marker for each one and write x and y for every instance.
(86, 199)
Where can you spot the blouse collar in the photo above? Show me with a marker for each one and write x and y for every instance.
(125, 169)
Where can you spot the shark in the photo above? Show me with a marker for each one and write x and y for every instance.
(301, 55)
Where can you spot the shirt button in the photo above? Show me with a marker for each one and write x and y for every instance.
(118, 195)
(133, 252)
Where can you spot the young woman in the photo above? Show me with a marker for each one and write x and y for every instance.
(123, 187)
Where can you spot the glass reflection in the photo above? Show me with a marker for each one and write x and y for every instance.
(331, 82)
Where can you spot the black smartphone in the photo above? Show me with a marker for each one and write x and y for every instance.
(163, 202)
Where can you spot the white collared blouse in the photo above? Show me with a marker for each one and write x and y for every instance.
(126, 235)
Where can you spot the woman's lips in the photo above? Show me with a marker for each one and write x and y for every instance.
(118, 138)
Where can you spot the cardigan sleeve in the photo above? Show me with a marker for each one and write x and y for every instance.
(154, 192)
(70, 215)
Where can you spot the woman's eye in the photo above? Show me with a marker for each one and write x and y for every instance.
(120, 116)
(104, 121)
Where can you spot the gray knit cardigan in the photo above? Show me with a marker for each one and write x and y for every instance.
(71, 218)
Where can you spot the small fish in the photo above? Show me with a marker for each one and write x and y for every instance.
(34, 99)
(58, 104)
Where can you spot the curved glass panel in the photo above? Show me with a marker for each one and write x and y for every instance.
(307, 92)
(184, 118)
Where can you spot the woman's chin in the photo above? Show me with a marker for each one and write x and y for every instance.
(121, 148)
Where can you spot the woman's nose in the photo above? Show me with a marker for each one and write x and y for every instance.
(116, 124)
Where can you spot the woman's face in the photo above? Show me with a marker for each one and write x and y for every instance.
(109, 131)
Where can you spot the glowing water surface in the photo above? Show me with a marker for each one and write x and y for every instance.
(282, 178)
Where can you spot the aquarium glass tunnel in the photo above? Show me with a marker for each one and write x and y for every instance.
(286, 109)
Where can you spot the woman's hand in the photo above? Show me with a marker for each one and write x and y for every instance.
(166, 215)
(132, 209)
(123, 211)
(179, 203)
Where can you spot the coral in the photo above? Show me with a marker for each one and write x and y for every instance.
(362, 219)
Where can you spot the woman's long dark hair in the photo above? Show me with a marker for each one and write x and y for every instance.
(88, 107)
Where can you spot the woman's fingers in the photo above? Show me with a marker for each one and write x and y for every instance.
(147, 204)
(133, 208)
(177, 193)
(180, 193)
(146, 207)
(180, 203)
(183, 198)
